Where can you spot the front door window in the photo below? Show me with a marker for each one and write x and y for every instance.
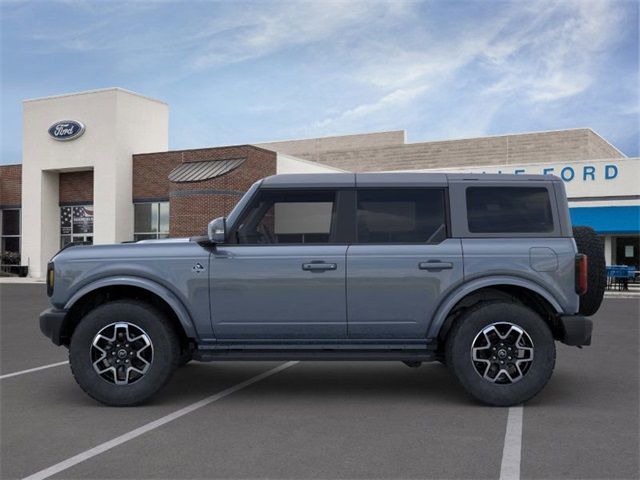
(289, 217)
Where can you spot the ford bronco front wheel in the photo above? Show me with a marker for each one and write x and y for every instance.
(502, 353)
(123, 352)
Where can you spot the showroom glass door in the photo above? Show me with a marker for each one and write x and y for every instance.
(76, 224)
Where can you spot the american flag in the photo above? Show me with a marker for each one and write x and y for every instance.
(82, 212)
(80, 217)
(65, 220)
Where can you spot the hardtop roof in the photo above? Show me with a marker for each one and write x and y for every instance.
(391, 179)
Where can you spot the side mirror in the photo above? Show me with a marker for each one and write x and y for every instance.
(217, 230)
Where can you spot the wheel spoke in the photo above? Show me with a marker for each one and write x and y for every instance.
(121, 353)
(502, 353)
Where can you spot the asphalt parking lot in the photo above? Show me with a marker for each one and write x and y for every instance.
(318, 419)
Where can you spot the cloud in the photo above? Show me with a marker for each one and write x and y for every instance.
(284, 69)
(536, 52)
(397, 98)
(270, 27)
(557, 59)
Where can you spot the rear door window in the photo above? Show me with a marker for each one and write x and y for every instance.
(509, 210)
(401, 216)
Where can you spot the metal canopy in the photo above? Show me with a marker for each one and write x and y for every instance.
(196, 171)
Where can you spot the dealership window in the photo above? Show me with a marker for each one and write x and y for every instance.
(401, 216)
(509, 210)
(76, 224)
(10, 236)
(151, 220)
(289, 218)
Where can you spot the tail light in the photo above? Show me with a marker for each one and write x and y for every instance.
(581, 274)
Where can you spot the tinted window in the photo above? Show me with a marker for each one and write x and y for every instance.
(401, 216)
(151, 220)
(289, 217)
(10, 222)
(145, 217)
(509, 210)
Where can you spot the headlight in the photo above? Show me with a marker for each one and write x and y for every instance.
(50, 278)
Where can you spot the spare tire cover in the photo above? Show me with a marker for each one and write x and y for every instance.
(592, 246)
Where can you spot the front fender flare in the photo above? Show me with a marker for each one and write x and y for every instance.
(165, 294)
(454, 297)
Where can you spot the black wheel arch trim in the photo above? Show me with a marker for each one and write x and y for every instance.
(470, 287)
(174, 303)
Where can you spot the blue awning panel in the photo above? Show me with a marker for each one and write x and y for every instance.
(624, 219)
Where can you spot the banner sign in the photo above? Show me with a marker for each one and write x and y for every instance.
(75, 220)
(589, 178)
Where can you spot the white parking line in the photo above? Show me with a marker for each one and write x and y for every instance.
(22, 372)
(512, 451)
(103, 447)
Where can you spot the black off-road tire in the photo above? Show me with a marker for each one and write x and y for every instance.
(458, 351)
(166, 352)
(592, 246)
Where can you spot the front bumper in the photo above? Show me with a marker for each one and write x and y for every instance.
(52, 323)
(575, 330)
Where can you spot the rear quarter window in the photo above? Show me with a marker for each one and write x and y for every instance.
(509, 210)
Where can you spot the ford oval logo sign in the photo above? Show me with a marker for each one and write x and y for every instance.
(66, 130)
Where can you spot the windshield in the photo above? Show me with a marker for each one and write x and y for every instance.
(233, 216)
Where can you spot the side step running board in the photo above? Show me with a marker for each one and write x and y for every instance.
(421, 355)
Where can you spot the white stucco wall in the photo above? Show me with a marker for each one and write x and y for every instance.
(118, 123)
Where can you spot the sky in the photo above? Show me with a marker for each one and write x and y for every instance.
(248, 72)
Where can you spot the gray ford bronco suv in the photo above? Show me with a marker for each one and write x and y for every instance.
(480, 272)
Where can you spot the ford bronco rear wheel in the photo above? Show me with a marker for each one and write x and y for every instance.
(123, 352)
(502, 353)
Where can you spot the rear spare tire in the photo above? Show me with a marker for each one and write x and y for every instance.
(591, 245)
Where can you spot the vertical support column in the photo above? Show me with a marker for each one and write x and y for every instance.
(104, 203)
(614, 248)
(608, 250)
(123, 203)
(113, 210)
(40, 219)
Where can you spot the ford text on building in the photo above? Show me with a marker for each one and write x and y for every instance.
(96, 168)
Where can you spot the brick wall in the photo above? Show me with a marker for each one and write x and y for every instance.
(76, 188)
(150, 172)
(10, 186)
(194, 204)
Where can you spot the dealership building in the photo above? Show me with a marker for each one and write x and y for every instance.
(96, 167)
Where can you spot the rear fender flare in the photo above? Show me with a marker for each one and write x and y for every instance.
(454, 297)
(165, 294)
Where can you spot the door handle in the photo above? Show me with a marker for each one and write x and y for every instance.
(435, 265)
(319, 266)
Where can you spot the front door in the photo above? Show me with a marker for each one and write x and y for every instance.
(401, 263)
(282, 274)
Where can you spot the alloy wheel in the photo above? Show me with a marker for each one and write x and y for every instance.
(121, 353)
(502, 353)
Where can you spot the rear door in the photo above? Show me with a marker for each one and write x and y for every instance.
(402, 261)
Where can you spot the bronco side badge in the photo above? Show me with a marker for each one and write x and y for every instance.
(197, 268)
